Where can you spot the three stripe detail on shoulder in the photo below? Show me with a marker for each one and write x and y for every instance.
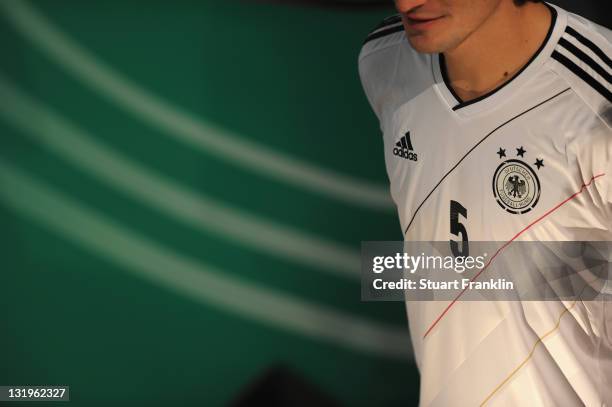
(585, 51)
(388, 26)
(589, 44)
(391, 20)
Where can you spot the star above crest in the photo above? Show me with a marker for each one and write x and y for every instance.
(539, 163)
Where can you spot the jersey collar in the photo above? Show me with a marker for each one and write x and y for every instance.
(504, 92)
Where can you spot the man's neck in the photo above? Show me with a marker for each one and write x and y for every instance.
(498, 49)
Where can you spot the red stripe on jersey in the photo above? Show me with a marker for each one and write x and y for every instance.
(506, 244)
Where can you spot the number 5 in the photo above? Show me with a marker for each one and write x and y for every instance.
(457, 228)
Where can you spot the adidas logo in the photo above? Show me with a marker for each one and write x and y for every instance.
(403, 148)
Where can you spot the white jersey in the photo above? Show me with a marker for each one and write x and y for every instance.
(528, 161)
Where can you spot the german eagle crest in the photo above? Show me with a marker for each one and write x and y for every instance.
(516, 186)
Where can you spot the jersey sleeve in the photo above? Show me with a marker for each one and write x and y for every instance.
(366, 76)
(373, 63)
(592, 144)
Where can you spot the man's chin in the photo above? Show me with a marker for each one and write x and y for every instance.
(424, 44)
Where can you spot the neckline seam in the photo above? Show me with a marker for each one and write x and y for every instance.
(461, 104)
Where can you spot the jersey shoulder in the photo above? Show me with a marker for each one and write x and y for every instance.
(391, 71)
(387, 33)
(582, 58)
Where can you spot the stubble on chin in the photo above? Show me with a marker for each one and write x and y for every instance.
(426, 43)
(423, 44)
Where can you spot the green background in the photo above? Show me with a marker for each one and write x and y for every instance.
(280, 77)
